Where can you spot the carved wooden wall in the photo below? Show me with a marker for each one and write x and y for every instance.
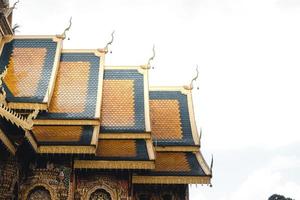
(51, 182)
(9, 177)
(160, 192)
(88, 186)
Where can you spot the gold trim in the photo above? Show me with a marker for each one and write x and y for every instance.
(203, 163)
(150, 149)
(54, 73)
(94, 122)
(124, 136)
(95, 136)
(7, 143)
(170, 179)
(67, 149)
(100, 85)
(188, 94)
(195, 134)
(34, 36)
(177, 148)
(170, 88)
(31, 140)
(118, 67)
(103, 164)
(14, 117)
(146, 102)
(28, 106)
(95, 51)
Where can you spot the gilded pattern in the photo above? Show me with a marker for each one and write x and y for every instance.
(57, 133)
(25, 71)
(171, 162)
(88, 185)
(118, 103)
(71, 86)
(116, 148)
(165, 119)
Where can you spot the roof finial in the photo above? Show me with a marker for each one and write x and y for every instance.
(63, 35)
(191, 86)
(211, 163)
(200, 137)
(14, 6)
(109, 43)
(148, 66)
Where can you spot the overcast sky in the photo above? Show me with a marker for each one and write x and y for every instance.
(248, 102)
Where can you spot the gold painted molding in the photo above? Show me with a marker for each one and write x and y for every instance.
(14, 117)
(31, 140)
(54, 72)
(100, 84)
(28, 106)
(136, 179)
(67, 149)
(177, 148)
(195, 134)
(203, 163)
(94, 122)
(170, 88)
(124, 136)
(7, 142)
(95, 136)
(103, 164)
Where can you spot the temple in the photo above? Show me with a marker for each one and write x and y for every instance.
(73, 128)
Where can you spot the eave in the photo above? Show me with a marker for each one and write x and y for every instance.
(136, 179)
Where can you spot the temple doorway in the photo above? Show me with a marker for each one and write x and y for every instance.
(39, 193)
(100, 194)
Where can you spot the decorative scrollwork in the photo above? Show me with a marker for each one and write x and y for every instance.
(110, 42)
(148, 66)
(191, 86)
(14, 6)
(63, 35)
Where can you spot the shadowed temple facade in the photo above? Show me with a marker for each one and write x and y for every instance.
(73, 128)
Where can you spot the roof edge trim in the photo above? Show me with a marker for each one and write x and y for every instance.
(7, 143)
(171, 179)
(92, 164)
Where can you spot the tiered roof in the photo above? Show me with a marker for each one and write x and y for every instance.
(107, 117)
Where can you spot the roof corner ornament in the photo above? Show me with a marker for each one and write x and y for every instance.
(64, 35)
(191, 85)
(32, 116)
(200, 136)
(148, 65)
(211, 163)
(14, 6)
(106, 49)
(3, 93)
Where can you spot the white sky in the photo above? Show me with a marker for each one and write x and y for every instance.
(248, 102)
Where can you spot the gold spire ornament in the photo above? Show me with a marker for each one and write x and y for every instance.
(14, 6)
(191, 86)
(148, 65)
(106, 49)
(63, 35)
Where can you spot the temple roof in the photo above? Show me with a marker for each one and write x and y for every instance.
(31, 67)
(116, 154)
(125, 101)
(77, 89)
(172, 117)
(176, 168)
(105, 117)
